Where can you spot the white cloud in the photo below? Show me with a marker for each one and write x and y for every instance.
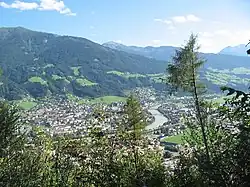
(219, 39)
(179, 19)
(118, 41)
(184, 19)
(213, 35)
(171, 22)
(163, 21)
(192, 18)
(45, 5)
(67, 12)
(91, 27)
(167, 22)
(20, 5)
(206, 34)
(223, 32)
(171, 27)
(156, 42)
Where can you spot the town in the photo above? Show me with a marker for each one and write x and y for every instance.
(164, 116)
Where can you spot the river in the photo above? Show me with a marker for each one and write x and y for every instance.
(159, 118)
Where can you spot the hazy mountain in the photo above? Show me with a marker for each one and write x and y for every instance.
(221, 61)
(160, 53)
(219, 69)
(239, 50)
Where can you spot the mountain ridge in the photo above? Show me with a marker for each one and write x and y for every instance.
(238, 50)
(40, 64)
(29, 58)
(219, 69)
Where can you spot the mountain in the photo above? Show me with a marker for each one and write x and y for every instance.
(219, 69)
(40, 64)
(160, 53)
(239, 50)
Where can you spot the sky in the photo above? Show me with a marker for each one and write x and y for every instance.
(218, 23)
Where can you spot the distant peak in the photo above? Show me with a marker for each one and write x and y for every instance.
(112, 43)
(239, 50)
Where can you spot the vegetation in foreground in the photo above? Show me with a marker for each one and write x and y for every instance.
(99, 159)
(213, 152)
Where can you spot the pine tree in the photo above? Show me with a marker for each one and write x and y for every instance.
(183, 74)
(136, 120)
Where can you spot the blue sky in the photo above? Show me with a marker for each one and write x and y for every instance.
(219, 23)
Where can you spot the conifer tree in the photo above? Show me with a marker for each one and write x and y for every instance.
(183, 74)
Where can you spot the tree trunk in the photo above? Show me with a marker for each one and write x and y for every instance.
(199, 116)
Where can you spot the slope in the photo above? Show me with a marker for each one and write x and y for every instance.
(219, 69)
(239, 50)
(40, 64)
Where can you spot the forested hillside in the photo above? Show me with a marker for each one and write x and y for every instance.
(39, 64)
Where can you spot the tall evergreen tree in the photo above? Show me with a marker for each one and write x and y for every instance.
(183, 74)
(136, 120)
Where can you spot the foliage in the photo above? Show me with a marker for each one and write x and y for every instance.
(183, 74)
(227, 132)
(99, 158)
(248, 51)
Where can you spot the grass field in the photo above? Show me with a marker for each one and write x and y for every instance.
(224, 77)
(27, 104)
(105, 99)
(126, 74)
(56, 77)
(174, 139)
(85, 82)
(154, 77)
(76, 70)
(37, 80)
(108, 99)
